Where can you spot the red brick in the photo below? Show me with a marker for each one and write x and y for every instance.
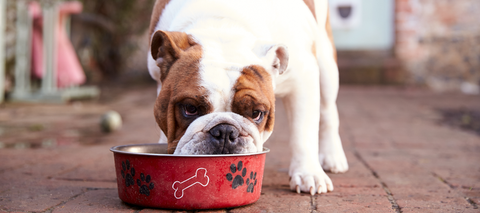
(403, 7)
(21, 194)
(101, 200)
(278, 199)
(87, 170)
(440, 199)
(354, 199)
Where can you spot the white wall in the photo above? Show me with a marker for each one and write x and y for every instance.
(372, 29)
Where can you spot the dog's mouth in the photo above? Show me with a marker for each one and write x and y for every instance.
(220, 133)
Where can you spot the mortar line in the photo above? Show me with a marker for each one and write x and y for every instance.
(313, 204)
(82, 180)
(390, 197)
(49, 210)
(469, 201)
(79, 165)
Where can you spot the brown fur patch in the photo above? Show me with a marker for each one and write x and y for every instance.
(254, 91)
(311, 6)
(156, 13)
(181, 87)
(169, 46)
(314, 49)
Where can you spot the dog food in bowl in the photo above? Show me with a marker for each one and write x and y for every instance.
(148, 176)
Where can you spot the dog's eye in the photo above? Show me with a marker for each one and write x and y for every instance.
(257, 115)
(190, 110)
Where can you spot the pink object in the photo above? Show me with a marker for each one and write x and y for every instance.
(69, 70)
(146, 176)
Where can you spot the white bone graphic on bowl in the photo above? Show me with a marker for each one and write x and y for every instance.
(200, 177)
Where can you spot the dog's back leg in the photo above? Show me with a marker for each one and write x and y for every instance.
(331, 154)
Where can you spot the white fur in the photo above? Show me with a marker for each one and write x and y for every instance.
(331, 154)
(233, 34)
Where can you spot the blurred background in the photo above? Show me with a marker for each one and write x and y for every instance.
(434, 43)
(108, 37)
(431, 43)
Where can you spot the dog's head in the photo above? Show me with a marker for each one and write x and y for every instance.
(215, 99)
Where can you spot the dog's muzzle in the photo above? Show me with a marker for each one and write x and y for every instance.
(220, 133)
(224, 138)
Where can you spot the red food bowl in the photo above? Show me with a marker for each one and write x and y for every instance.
(148, 176)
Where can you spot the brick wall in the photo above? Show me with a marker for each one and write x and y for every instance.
(439, 43)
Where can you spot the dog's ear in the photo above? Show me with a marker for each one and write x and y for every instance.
(279, 56)
(275, 56)
(166, 47)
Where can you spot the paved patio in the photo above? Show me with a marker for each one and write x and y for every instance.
(402, 158)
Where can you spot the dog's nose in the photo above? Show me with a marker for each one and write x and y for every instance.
(223, 138)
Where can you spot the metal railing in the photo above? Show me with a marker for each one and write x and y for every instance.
(48, 91)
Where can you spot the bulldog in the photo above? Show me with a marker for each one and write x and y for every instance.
(219, 66)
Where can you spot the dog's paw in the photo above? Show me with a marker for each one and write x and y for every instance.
(335, 163)
(311, 180)
(332, 157)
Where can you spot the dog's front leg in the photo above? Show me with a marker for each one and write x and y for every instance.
(303, 109)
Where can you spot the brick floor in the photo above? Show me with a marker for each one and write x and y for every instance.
(54, 158)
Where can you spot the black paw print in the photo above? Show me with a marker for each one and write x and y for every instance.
(145, 189)
(238, 180)
(252, 182)
(126, 175)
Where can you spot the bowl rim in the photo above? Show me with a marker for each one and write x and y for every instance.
(115, 149)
